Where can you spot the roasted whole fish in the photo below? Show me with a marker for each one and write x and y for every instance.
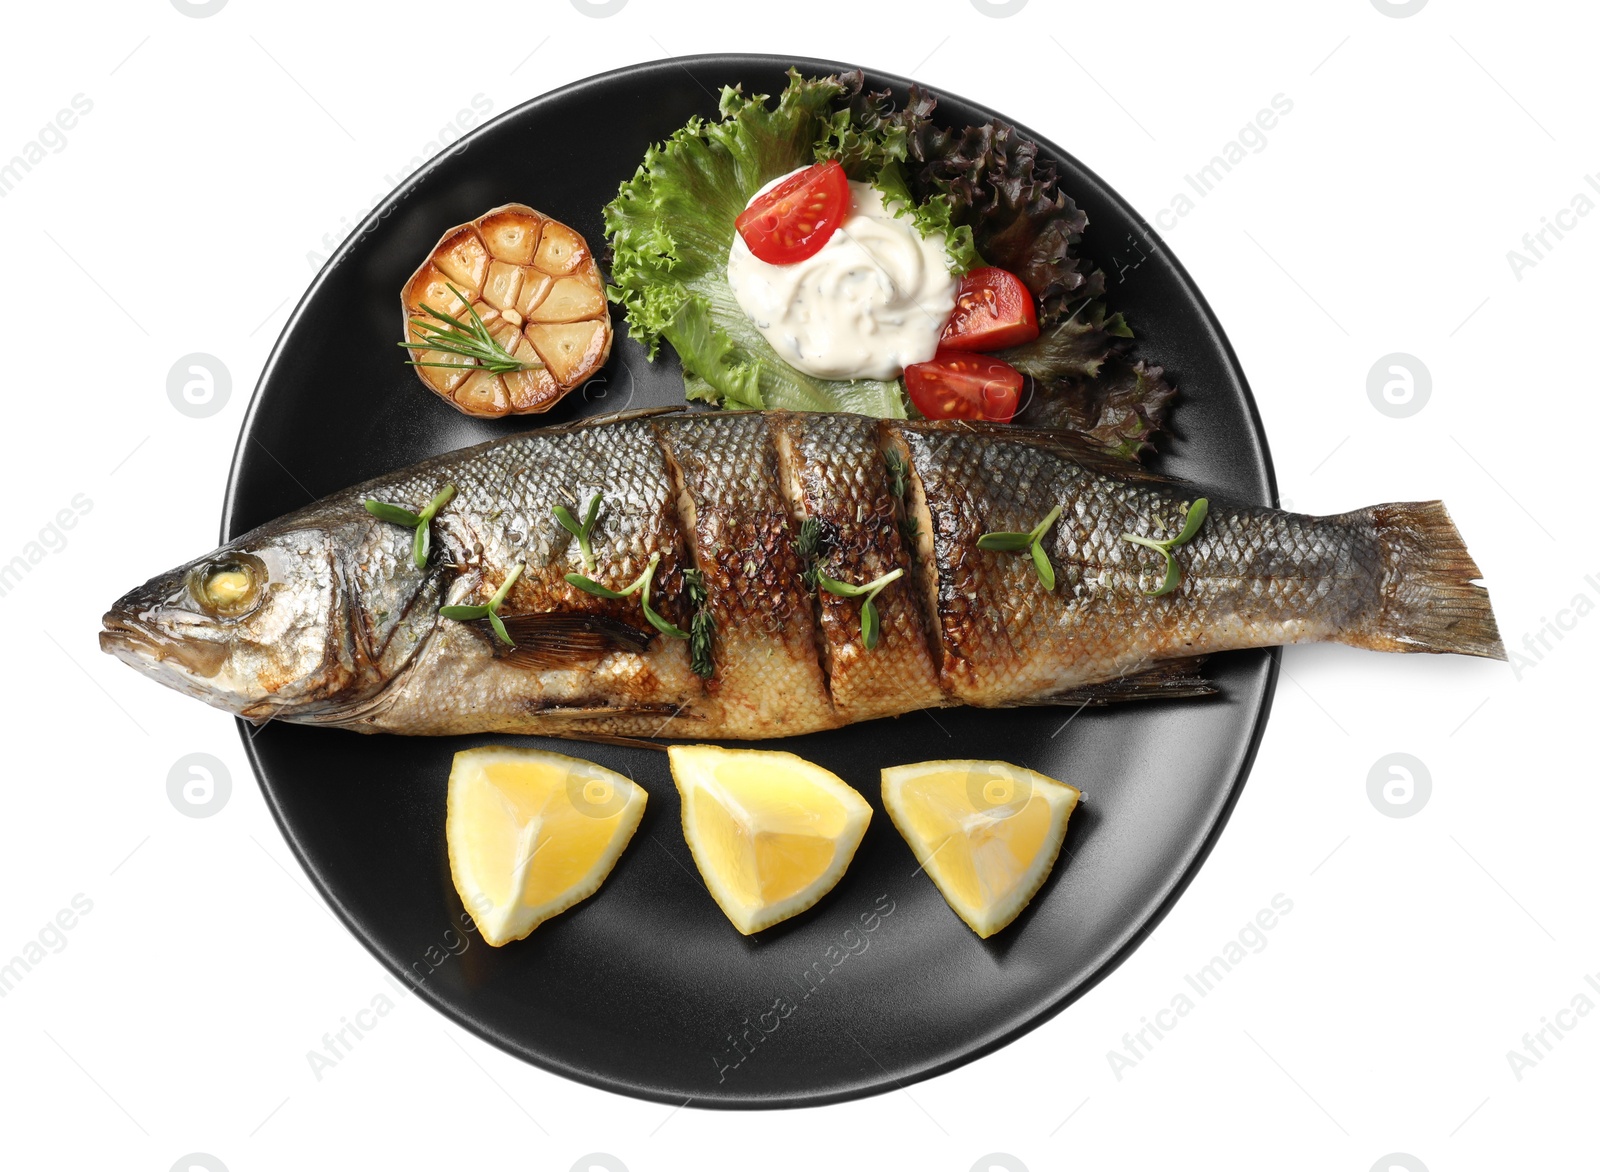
(324, 617)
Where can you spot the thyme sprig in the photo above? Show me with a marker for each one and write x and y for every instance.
(1031, 541)
(420, 522)
(1192, 521)
(808, 543)
(583, 532)
(470, 339)
(897, 473)
(702, 628)
(639, 586)
(870, 624)
(489, 610)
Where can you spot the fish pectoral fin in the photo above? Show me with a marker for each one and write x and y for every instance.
(558, 639)
(1171, 679)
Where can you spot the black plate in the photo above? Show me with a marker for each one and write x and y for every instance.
(645, 988)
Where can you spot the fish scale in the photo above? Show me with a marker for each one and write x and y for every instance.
(841, 480)
(768, 675)
(345, 630)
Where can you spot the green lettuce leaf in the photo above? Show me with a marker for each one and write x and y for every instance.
(989, 184)
(873, 150)
(984, 187)
(992, 179)
(670, 229)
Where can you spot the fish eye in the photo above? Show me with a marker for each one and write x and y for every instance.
(228, 587)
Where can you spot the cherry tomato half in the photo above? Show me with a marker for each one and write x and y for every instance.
(796, 218)
(993, 310)
(958, 384)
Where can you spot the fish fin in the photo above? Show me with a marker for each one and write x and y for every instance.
(558, 639)
(1091, 455)
(611, 739)
(1171, 679)
(1430, 601)
(618, 417)
(1074, 445)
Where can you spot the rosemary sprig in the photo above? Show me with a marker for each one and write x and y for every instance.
(582, 532)
(489, 610)
(1192, 521)
(869, 611)
(470, 339)
(639, 586)
(702, 628)
(420, 522)
(1031, 541)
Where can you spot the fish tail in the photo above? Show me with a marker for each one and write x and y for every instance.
(1429, 599)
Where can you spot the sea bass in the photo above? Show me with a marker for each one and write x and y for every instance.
(745, 538)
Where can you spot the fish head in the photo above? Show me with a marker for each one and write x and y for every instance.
(263, 627)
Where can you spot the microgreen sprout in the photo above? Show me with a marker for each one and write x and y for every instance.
(1192, 521)
(1032, 542)
(489, 610)
(420, 522)
(639, 586)
(870, 624)
(584, 532)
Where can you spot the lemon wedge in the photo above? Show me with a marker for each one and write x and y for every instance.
(987, 833)
(770, 832)
(531, 833)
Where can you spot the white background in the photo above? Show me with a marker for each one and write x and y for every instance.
(220, 152)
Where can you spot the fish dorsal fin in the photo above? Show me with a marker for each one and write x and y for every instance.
(1070, 444)
(619, 417)
(558, 639)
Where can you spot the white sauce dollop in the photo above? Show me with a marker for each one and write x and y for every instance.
(873, 300)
